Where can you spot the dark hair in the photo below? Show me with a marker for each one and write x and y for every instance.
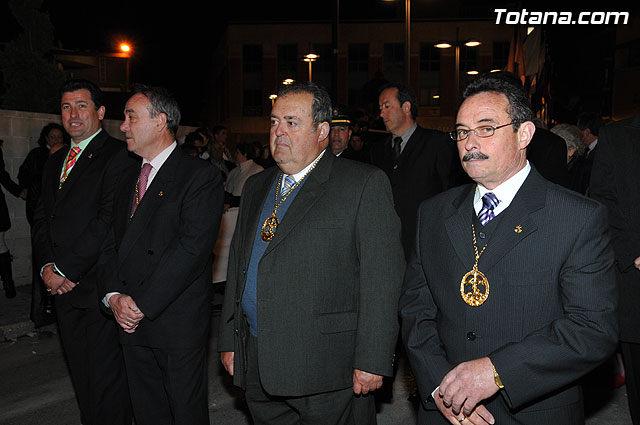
(405, 94)
(204, 131)
(590, 120)
(247, 149)
(161, 101)
(81, 84)
(190, 139)
(42, 140)
(321, 105)
(217, 129)
(519, 109)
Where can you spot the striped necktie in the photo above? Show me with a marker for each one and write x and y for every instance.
(71, 160)
(489, 202)
(289, 182)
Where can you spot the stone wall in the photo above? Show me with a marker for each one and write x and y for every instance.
(20, 131)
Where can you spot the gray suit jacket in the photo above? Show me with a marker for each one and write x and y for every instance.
(328, 283)
(550, 315)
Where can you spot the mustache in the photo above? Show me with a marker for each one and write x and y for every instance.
(474, 155)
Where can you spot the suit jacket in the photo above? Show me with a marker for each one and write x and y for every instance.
(71, 220)
(327, 287)
(615, 180)
(427, 166)
(548, 153)
(550, 314)
(161, 256)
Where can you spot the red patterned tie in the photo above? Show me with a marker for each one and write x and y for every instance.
(141, 186)
(71, 159)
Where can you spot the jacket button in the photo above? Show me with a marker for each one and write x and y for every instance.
(482, 235)
(150, 252)
(244, 271)
(237, 331)
(471, 336)
(53, 216)
(55, 245)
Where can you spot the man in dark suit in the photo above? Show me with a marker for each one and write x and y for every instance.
(510, 297)
(309, 316)
(615, 179)
(71, 222)
(158, 268)
(419, 162)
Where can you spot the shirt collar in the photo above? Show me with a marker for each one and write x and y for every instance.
(299, 175)
(505, 192)
(157, 162)
(83, 144)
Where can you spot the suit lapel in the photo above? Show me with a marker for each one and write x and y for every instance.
(253, 202)
(458, 226)
(517, 222)
(309, 193)
(155, 195)
(86, 158)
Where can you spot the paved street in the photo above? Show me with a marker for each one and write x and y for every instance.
(35, 388)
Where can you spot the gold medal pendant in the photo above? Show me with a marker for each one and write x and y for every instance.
(269, 226)
(474, 288)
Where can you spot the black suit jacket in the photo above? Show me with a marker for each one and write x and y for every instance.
(427, 166)
(71, 221)
(615, 180)
(548, 153)
(550, 314)
(328, 283)
(162, 256)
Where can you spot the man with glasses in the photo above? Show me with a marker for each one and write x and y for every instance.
(510, 296)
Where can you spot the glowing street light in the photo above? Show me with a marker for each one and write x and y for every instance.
(125, 48)
(310, 57)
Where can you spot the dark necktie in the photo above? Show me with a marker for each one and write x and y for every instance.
(397, 148)
(489, 202)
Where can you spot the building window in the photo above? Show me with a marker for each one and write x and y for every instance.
(500, 54)
(359, 57)
(429, 57)
(252, 80)
(252, 58)
(468, 58)
(252, 103)
(288, 61)
(394, 61)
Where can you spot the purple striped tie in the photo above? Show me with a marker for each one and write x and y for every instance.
(489, 202)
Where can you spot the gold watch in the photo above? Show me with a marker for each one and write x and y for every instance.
(496, 378)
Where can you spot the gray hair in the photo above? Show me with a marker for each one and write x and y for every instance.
(161, 101)
(571, 135)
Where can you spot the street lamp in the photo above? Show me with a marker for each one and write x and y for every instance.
(446, 45)
(126, 50)
(310, 58)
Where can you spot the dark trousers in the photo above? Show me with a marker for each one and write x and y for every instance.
(331, 408)
(168, 386)
(90, 342)
(631, 358)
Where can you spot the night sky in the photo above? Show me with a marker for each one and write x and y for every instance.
(174, 44)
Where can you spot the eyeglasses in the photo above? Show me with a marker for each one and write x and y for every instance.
(482, 131)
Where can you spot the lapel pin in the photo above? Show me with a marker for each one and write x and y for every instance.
(160, 193)
(90, 155)
(518, 229)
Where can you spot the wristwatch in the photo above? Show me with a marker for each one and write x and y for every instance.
(496, 378)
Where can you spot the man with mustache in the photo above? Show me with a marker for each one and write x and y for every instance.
(510, 295)
(310, 311)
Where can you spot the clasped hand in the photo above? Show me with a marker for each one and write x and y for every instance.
(463, 388)
(126, 312)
